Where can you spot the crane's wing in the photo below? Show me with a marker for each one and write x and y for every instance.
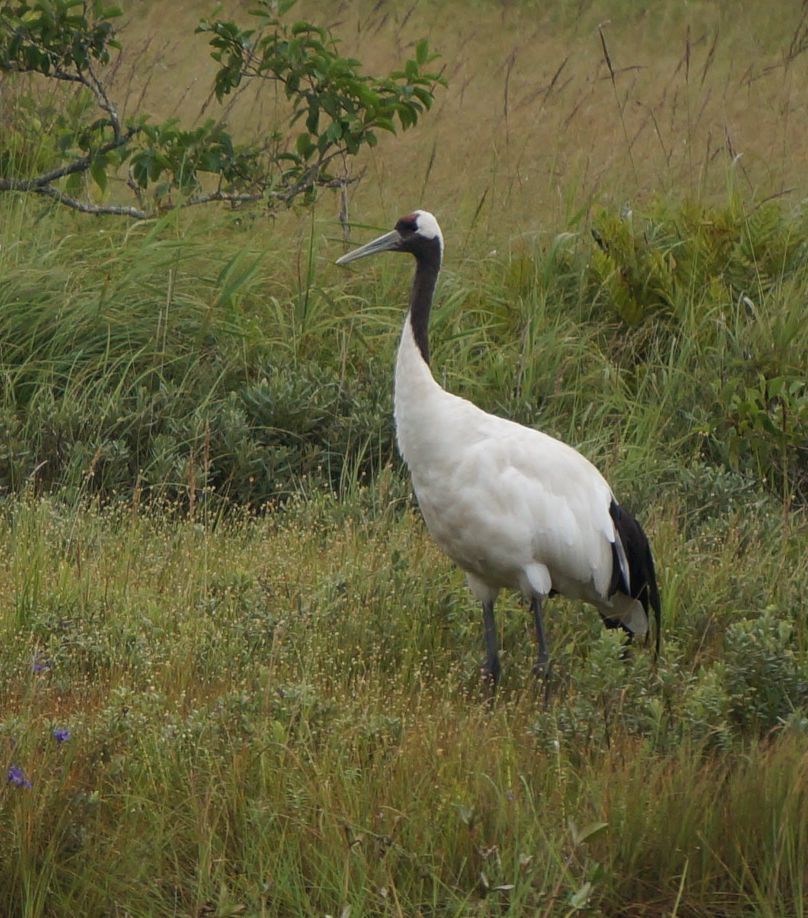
(637, 551)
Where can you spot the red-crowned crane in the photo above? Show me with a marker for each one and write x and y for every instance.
(512, 506)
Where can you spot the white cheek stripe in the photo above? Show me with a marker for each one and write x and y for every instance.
(428, 226)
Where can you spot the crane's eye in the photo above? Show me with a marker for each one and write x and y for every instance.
(408, 226)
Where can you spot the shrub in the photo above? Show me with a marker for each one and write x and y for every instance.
(764, 678)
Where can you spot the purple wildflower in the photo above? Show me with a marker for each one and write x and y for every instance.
(61, 734)
(16, 776)
(39, 664)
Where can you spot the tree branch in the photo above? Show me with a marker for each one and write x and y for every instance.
(97, 88)
(82, 206)
(229, 197)
(78, 165)
(118, 210)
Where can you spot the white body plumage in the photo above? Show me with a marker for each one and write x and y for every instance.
(513, 507)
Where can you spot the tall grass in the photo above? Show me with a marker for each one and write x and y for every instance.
(212, 573)
(144, 356)
(158, 358)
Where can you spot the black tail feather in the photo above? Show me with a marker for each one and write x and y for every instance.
(642, 574)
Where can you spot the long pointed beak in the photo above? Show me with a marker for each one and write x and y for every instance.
(387, 242)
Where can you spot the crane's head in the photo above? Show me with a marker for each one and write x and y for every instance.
(418, 233)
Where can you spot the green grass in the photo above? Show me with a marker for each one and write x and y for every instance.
(213, 574)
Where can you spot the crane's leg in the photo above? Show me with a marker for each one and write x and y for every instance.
(491, 665)
(542, 666)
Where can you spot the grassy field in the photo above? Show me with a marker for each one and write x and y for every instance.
(237, 677)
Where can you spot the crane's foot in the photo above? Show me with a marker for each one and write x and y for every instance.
(542, 667)
(542, 670)
(490, 672)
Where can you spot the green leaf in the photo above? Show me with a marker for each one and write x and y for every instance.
(590, 831)
(98, 170)
(75, 184)
(140, 171)
(580, 898)
(334, 132)
(313, 117)
(304, 145)
(422, 52)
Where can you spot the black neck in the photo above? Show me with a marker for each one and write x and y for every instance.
(423, 287)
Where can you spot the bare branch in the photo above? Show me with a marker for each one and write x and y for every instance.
(82, 206)
(226, 196)
(117, 210)
(95, 85)
(64, 75)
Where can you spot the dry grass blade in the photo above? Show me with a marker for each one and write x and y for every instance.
(618, 103)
